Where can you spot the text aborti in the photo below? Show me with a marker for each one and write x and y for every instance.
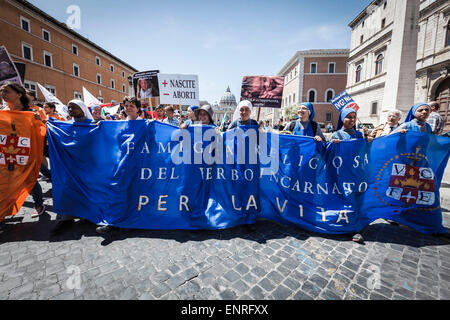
(178, 89)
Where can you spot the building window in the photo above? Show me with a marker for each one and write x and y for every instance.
(27, 51)
(448, 34)
(77, 95)
(113, 84)
(384, 5)
(331, 67)
(46, 35)
(329, 95)
(328, 117)
(361, 39)
(99, 78)
(358, 74)
(76, 70)
(29, 85)
(289, 99)
(124, 88)
(74, 49)
(51, 89)
(97, 61)
(111, 67)
(48, 59)
(374, 108)
(379, 64)
(383, 23)
(313, 68)
(312, 95)
(123, 74)
(293, 98)
(362, 25)
(25, 24)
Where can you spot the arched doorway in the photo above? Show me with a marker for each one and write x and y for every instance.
(443, 97)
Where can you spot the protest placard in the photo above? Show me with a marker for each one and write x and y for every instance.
(263, 91)
(49, 97)
(344, 100)
(178, 89)
(145, 84)
(8, 70)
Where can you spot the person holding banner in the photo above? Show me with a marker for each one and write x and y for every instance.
(393, 118)
(205, 115)
(17, 99)
(242, 115)
(346, 130)
(304, 125)
(96, 112)
(416, 119)
(132, 108)
(79, 114)
(191, 117)
(346, 127)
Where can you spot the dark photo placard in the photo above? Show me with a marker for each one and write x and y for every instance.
(263, 91)
(8, 70)
(146, 84)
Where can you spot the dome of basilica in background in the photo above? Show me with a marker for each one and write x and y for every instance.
(226, 106)
(228, 99)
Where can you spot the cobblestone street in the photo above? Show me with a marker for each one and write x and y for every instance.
(274, 262)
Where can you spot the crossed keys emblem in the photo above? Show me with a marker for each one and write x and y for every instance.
(14, 150)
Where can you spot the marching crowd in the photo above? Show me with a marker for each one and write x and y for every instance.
(422, 117)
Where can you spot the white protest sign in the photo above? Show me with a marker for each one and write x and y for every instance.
(89, 99)
(178, 89)
(50, 97)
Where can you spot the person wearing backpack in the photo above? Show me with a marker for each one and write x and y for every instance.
(305, 125)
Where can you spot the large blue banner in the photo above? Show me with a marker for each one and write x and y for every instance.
(150, 175)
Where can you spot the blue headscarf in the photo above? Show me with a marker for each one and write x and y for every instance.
(193, 108)
(413, 110)
(311, 109)
(344, 113)
(298, 130)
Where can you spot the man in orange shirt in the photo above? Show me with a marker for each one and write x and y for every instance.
(50, 111)
(36, 108)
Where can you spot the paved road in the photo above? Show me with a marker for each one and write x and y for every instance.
(274, 262)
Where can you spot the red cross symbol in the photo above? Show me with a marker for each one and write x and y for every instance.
(165, 83)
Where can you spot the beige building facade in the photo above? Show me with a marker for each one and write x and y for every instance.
(313, 76)
(433, 56)
(399, 55)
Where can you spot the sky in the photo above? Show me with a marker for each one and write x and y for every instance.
(220, 41)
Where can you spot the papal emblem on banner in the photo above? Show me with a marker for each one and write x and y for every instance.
(412, 183)
(14, 150)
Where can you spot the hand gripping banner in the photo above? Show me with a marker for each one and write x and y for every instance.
(150, 175)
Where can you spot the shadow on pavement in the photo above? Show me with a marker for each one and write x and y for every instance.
(24, 228)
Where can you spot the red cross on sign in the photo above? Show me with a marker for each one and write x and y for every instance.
(165, 83)
(14, 150)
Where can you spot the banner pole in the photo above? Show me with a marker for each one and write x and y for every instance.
(150, 104)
